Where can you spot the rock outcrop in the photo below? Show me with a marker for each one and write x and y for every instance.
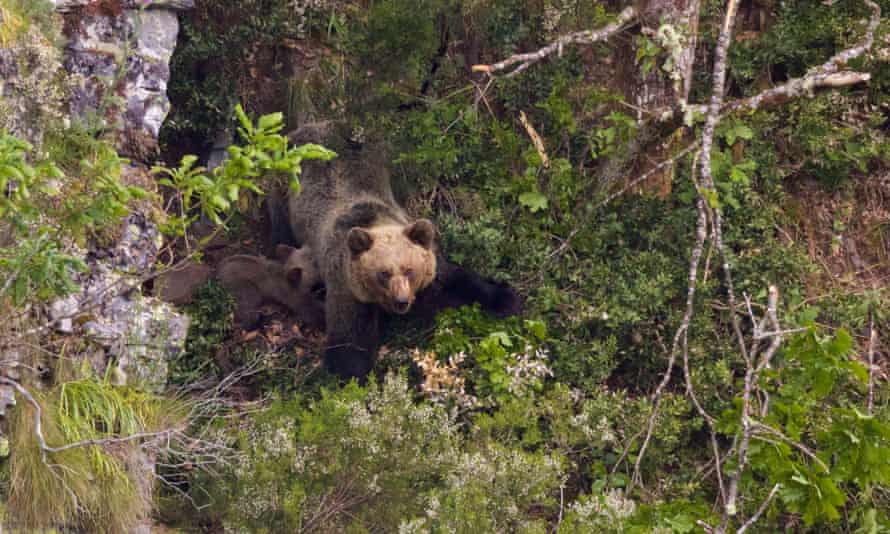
(119, 54)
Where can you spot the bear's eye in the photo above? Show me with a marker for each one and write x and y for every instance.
(409, 273)
(384, 276)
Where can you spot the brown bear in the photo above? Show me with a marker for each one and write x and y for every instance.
(290, 280)
(371, 255)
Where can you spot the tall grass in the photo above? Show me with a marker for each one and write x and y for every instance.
(94, 488)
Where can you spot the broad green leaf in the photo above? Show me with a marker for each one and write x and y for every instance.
(533, 200)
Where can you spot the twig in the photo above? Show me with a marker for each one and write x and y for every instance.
(701, 234)
(827, 75)
(753, 519)
(536, 139)
(872, 341)
(636, 181)
(525, 60)
(756, 425)
(711, 121)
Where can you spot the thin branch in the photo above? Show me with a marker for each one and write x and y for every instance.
(629, 14)
(711, 120)
(872, 341)
(798, 87)
(627, 187)
(827, 75)
(701, 234)
(756, 425)
(753, 519)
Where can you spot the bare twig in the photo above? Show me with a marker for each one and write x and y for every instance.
(753, 519)
(536, 139)
(872, 341)
(748, 425)
(629, 14)
(701, 234)
(627, 187)
(756, 425)
(707, 182)
(827, 75)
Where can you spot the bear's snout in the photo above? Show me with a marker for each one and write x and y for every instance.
(401, 295)
(401, 305)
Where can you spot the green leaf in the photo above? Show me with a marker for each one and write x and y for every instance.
(711, 197)
(502, 337)
(841, 344)
(537, 328)
(270, 121)
(242, 119)
(533, 200)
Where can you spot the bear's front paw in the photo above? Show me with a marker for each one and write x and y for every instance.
(349, 361)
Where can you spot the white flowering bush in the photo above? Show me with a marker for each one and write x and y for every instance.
(376, 459)
(357, 456)
(598, 513)
(494, 489)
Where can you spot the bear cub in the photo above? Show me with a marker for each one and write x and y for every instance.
(290, 280)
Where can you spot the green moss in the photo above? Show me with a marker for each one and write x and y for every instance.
(20, 15)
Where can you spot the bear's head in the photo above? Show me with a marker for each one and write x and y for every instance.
(300, 270)
(390, 263)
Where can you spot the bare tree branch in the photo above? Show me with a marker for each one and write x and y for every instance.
(827, 75)
(527, 59)
(752, 376)
(701, 234)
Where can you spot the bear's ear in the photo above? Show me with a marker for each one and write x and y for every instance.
(359, 240)
(283, 252)
(421, 232)
(294, 275)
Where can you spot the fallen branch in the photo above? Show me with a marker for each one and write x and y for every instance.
(527, 59)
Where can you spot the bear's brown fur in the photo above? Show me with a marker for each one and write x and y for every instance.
(371, 255)
(290, 280)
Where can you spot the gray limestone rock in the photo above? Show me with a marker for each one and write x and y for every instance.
(122, 60)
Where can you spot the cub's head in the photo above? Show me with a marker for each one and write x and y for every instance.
(389, 264)
(300, 270)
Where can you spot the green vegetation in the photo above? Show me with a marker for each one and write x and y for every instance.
(602, 308)
(476, 424)
(90, 486)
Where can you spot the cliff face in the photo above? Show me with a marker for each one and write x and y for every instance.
(110, 72)
(119, 53)
(103, 64)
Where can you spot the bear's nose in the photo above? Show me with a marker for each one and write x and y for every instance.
(402, 305)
